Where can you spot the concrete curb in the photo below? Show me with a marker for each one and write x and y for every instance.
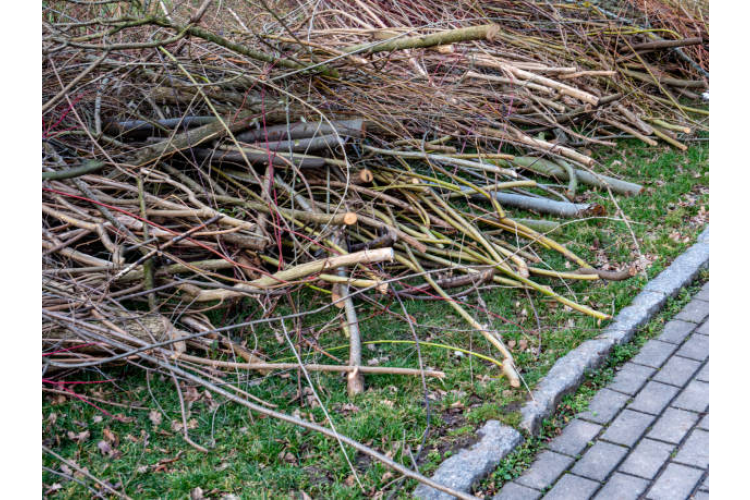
(469, 466)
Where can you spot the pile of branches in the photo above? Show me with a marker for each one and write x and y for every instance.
(195, 158)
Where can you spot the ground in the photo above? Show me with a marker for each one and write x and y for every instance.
(143, 452)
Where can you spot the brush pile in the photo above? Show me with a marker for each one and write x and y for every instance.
(194, 158)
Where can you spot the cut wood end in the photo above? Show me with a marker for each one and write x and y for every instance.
(365, 175)
(492, 31)
(350, 218)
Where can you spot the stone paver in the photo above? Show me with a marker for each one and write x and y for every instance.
(604, 406)
(575, 437)
(653, 398)
(647, 458)
(545, 470)
(696, 347)
(628, 427)
(676, 331)
(572, 487)
(513, 491)
(673, 425)
(622, 487)
(647, 430)
(695, 450)
(675, 483)
(599, 460)
(694, 397)
(677, 371)
(654, 353)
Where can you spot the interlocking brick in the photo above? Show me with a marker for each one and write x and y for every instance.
(704, 484)
(703, 374)
(703, 329)
(694, 397)
(673, 425)
(513, 491)
(631, 378)
(575, 437)
(676, 331)
(696, 347)
(604, 406)
(628, 427)
(571, 487)
(703, 294)
(676, 482)
(546, 468)
(695, 450)
(703, 424)
(599, 460)
(653, 398)
(701, 495)
(622, 487)
(647, 458)
(654, 353)
(696, 311)
(677, 371)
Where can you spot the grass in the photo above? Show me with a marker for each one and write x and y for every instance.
(270, 459)
(521, 459)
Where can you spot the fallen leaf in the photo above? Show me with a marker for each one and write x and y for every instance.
(155, 417)
(104, 447)
(350, 480)
(196, 494)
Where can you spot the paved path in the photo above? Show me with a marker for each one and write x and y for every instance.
(645, 435)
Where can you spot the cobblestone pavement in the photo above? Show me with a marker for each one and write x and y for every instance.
(645, 435)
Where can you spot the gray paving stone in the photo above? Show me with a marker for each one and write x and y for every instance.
(701, 495)
(599, 460)
(546, 468)
(676, 331)
(622, 487)
(695, 450)
(653, 398)
(696, 347)
(703, 424)
(513, 491)
(677, 371)
(673, 425)
(694, 397)
(675, 483)
(631, 378)
(696, 311)
(468, 466)
(575, 437)
(604, 406)
(704, 484)
(703, 294)
(647, 458)
(703, 329)
(572, 487)
(654, 353)
(628, 427)
(703, 374)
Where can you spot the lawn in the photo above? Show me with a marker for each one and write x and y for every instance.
(140, 450)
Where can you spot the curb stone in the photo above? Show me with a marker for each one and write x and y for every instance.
(569, 371)
(470, 465)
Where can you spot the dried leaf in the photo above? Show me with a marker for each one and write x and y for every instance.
(104, 447)
(155, 417)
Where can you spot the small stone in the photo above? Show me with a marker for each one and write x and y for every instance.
(513, 491)
(631, 378)
(696, 347)
(572, 487)
(622, 487)
(575, 437)
(694, 397)
(677, 371)
(673, 425)
(677, 481)
(545, 470)
(628, 427)
(647, 458)
(599, 460)
(653, 398)
(676, 331)
(695, 450)
(654, 353)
